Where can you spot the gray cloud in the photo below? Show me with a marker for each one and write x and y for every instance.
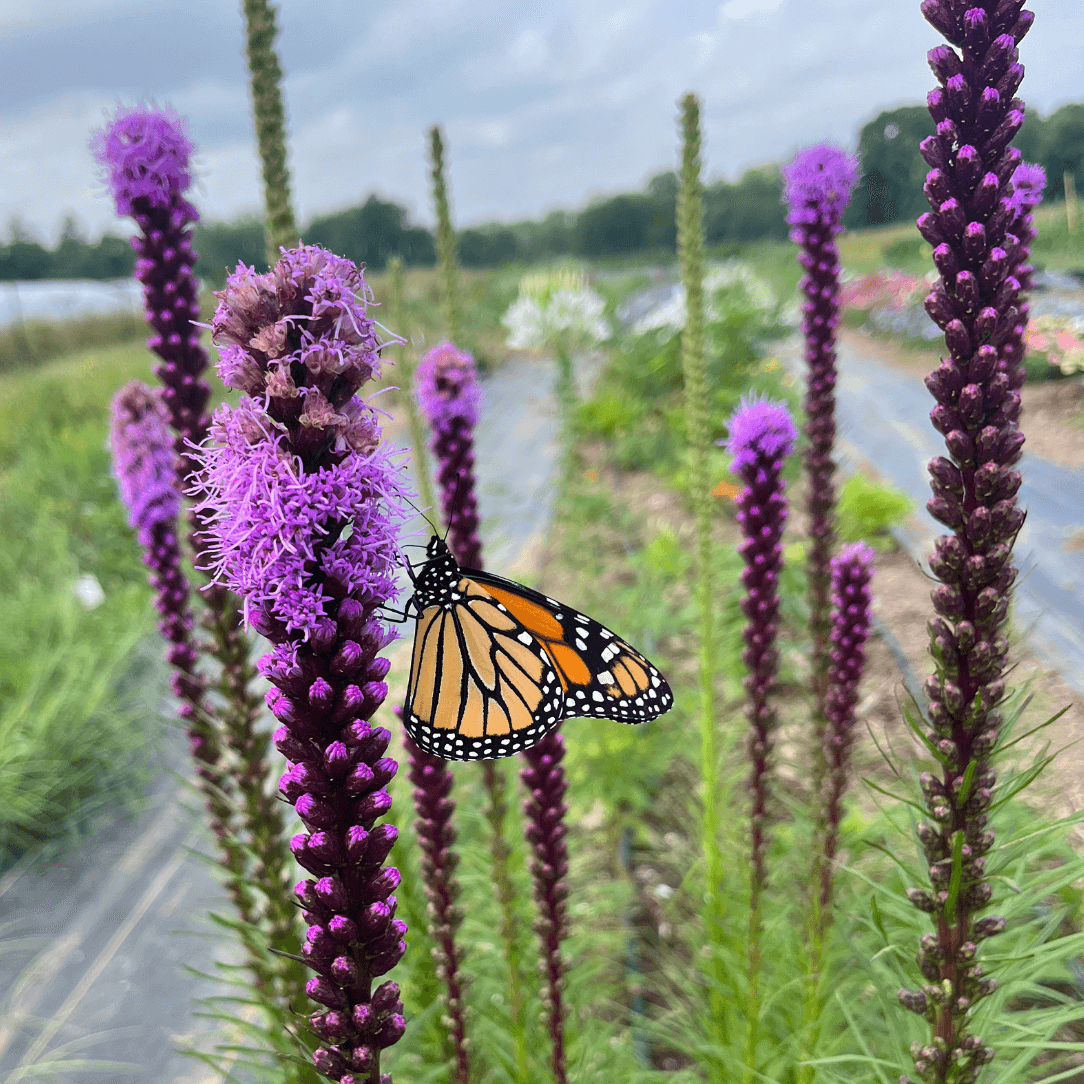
(543, 105)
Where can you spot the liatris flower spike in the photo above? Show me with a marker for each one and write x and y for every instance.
(147, 156)
(146, 469)
(304, 508)
(545, 811)
(819, 183)
(447, 386)
(433, 780)
(852, 571)
(762, 435)
(976, 303)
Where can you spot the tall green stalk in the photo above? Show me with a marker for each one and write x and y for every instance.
(449, 271)
(690, 226)
(406, 362)
(265, 74)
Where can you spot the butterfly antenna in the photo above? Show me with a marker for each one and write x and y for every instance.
(460, 478)
(422, 514)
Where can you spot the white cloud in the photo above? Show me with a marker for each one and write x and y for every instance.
(740, 9)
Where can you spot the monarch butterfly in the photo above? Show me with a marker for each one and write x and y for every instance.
(496, 666)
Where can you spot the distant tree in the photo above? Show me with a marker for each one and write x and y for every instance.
(222, 245)
(1063, 149)
(616, 226)
(486, 246)
(110, 258)
(371, 234)
(750, 210)
(23, 260)
(888, 145)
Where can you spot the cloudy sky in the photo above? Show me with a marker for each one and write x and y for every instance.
(544, 104)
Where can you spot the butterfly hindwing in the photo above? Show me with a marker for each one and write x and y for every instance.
(497, 665)
(603, 677)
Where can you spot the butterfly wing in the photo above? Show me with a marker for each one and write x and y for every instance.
(601, 675)
(481, 685)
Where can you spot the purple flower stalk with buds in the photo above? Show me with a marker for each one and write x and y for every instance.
(145, 464)
(546, 832)
(447, 386)
(303, 508)
(762, 435)
(1028, 182)
(819, 183)
(147, 155)
(976, 302)
(852, 571)
(432, 779)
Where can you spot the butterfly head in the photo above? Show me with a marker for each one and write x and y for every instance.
(436, 549)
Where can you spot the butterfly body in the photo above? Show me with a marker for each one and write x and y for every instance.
(496, 666)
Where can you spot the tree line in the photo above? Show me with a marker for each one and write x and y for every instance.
(628, 224)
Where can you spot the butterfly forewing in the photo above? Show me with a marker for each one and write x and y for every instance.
(481, 686)
(497, 665)
(602, 676)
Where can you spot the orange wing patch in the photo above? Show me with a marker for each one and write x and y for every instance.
(536, 620)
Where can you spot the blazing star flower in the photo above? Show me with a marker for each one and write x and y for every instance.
(146, 469)
(976, 303)
(449, 393)
(433, 780)
(146, 155)
(762, 435)
(303, 510)
(545, 811)
(852, 570)
(819, 183)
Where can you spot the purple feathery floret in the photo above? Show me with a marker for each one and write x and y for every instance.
(304, 511)
(446, 382)
(144, 461)
(147, 153)
(1028, 182)
(760, 428)
(819, 183)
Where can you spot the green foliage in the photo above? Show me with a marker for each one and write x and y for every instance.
(222, 245)
(638, 400)
(893, 170)
(866, 511)
(26, 259)
(751, 210)
(1057, 144)
(71, 737)
(371, 234)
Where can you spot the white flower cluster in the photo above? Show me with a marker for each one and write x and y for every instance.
(728, 277)
(556, 311)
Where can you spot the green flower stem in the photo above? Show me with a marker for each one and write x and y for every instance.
(405, 363)
(265, 74)
(449, 271)
(500, 851)
(690, 223)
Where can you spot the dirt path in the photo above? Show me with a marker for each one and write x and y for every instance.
(1051, 424)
